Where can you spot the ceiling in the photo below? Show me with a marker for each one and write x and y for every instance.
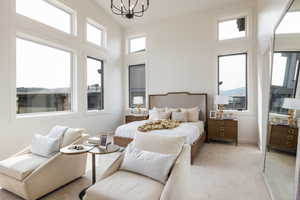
(160, 9)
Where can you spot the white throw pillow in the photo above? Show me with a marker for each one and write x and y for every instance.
(58, 132)
(154, 165)
(159, 109)
(156, 115)
(71, 135)
(44, 145)
(172, 109)
(193, 114)
(159, 143)
(180, 116)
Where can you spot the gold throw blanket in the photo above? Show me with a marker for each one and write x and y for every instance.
(158, 125)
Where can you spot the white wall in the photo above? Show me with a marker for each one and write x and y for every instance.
(17, 132)
(182, 56)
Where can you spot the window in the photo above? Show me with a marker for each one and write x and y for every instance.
(46, 13)
(95, 97)
(284, 79)
(137, 44)
(232, 80)
(43, 78)
(230, 29)
(94, 34)
(287, 25)
(137, 84)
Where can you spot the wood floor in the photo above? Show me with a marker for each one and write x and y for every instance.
(220, 172)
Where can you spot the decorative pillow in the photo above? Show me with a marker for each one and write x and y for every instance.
(58, 132)
(154, 165)
(193, 114)
(45, 146)
(159, 109)
(71, 135)
(172, 109)
(180, 116)
(156, 115)
(159, 143)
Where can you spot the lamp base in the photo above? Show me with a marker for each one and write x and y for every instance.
(221, 112)
(291, 117)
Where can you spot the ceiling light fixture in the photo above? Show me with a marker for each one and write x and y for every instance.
(130, 8)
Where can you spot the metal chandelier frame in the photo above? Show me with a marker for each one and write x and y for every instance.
(129, 9)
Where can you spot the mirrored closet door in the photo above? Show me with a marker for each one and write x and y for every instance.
(284, 107)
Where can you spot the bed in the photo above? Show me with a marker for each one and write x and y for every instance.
(195, 132)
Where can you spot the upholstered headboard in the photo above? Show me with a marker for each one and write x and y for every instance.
(181, 100)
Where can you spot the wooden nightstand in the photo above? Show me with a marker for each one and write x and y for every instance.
(132, 118)
(283, 137)
(223, 129)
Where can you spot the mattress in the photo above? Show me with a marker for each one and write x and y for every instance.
(192, 130)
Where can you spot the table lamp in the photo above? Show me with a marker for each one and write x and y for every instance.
(138, 101)
(292, 105)
(221, 101)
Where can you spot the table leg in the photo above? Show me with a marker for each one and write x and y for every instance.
(82, 193)
(93, 169)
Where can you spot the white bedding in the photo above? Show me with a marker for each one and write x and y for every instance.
(192, 130)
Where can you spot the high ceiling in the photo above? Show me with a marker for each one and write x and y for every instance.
(160, 9)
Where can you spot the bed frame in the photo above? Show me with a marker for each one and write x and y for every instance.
(178, 100)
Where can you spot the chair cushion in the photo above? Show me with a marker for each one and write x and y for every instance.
(125, 186)
(19, 167)
(71, 135)
(159, 143)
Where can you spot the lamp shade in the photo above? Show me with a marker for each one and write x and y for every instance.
(290, 103)
(221, 100)
(139, 100)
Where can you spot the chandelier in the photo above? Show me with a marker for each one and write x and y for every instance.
(129, 8)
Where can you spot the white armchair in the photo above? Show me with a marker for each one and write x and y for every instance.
(31, 176)
(116, 184)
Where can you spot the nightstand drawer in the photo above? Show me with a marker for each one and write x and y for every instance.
(223, 129)
(132, 118)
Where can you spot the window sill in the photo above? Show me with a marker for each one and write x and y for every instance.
(97, 112)
(45, 115)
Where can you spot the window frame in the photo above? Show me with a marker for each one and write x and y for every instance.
(97, 26)
(73, 66)
(246, 78)
(129, 84)
(62, 7)
(129, 44)
(102, 86)
(234, 18)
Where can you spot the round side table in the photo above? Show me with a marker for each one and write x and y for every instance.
(98, 151)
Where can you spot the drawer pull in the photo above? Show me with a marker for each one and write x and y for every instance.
(290, 137)
(222, 129)
(291, 131)
(222, 134)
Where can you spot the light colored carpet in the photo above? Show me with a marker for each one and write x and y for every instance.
(220, 172)
(280, 173)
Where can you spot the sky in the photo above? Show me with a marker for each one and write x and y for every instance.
(45, 13)
(42, 66)
(229, 29)
(232, 72)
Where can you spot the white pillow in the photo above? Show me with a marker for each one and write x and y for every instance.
(159, 109)
(180, 116)
(154, 165)
(193, 114)
(172, 109)
(156, 115)
(44, 145)
(58, 132)
(71, 135)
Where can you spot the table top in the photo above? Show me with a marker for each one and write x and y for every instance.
(89, 149)
(70, 149)
(103, 150)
